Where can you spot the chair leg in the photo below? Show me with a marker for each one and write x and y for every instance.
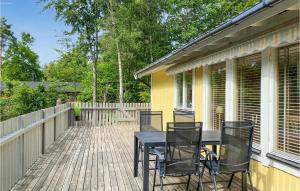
(250, 180)
(161, 183)
(214, 181)
(200, 178)
(200, 184)
(230, 181)
(154, 178)
(202, 171)
(188, 182)
(139, 151)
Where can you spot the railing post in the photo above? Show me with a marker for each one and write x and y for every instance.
(69, 114)
(43, 132)
(54, 124)
(21, 146)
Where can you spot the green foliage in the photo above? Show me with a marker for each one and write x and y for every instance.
(20, 62)
(27, 99)
(107, 83)
(77, 109)
(6, 35)
(187, 19)
(145, 30)
(6, 108)
(84, 18)
(20, 99)
(70, 67)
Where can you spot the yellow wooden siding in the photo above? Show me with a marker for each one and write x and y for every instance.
(162, 98)
(198, 94)
(162, 95)
(272, 179)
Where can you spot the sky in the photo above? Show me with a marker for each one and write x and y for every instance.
(28, 16)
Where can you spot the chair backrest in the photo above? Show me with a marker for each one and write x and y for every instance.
(182, 148)
(183, 116)
(151, 121)
(235, 146)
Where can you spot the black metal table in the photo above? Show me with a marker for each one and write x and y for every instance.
(156, 139)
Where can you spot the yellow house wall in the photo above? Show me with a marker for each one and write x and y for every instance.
(198, 94)
(162, 95)
(162, 99)
(272, 179)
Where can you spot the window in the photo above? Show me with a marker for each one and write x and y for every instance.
(288, 132)
(218, 77)
(248, 81)
(189, 88)
(179, 85)
(184, 90)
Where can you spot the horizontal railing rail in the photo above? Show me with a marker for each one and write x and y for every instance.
(24, 138)
(11, 136)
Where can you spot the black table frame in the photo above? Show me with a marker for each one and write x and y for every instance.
(156, 139)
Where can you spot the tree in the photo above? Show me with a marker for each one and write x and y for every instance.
(70, 67)
(6, 36)
(134, 34)
(112, 8)
(187, 19)
(20, 62)
(84, 17)
(20, 99)
(135, 37)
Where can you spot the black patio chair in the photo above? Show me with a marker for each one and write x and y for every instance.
(183, 116)
(185, 163)
(234, 152)
(150, 121)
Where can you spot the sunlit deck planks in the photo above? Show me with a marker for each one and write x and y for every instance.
(94, 158)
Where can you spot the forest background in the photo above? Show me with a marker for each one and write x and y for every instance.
(115, 38)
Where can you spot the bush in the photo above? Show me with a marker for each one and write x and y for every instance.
(19, 99)
(77, 109)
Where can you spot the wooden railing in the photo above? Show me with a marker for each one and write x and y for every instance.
(24, 138)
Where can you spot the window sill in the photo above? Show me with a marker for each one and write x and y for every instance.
(256, 149)
(183, 109)
(285, 158)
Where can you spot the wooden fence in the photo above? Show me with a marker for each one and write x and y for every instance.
(24, 138)
(109, 113)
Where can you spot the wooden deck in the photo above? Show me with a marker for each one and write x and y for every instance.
(94, 158)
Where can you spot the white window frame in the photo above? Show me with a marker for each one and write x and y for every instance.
(206, 101)
(269, 103)
(184, 93)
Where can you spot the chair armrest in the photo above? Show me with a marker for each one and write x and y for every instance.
(210, 154)
(159, 155)
(205, 149)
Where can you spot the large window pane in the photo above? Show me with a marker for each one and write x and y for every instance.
(288, 133)
(179, 83)
(249, 77)
(218, 75)
(189, 88)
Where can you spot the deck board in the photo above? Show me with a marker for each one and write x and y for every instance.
(96, 158)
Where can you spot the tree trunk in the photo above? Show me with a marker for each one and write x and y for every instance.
(114, 29)
(1, 49)
(94, 62)
(121, 97)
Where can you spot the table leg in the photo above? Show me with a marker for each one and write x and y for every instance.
(244, 182)
(136, 158)
(146, 169)
(214, 148)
